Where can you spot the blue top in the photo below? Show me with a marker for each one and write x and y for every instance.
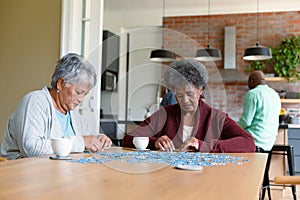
(169, 98)
(261, 115)
(65, 122)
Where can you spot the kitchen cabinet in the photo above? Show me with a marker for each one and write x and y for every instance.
(108, 127)
(294, 140)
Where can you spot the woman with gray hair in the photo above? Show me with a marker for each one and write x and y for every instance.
(191, 124)
(49, 113)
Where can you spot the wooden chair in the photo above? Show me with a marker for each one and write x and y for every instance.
(2, 159)
(293, 180)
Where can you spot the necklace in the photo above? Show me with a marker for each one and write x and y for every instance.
(187, 132)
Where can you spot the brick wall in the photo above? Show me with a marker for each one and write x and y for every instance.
(184, 35)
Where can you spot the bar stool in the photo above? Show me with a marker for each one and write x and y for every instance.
(287, 150)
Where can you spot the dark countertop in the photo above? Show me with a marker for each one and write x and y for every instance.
(287, 126)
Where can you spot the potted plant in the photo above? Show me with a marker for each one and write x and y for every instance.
(256, 65)
(261, 65)
(286, 58)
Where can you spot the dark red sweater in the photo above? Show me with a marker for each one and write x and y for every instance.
(215, 131)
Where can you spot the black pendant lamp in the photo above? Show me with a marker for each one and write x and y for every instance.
(257, 52)
(208, 54)
(162, 55)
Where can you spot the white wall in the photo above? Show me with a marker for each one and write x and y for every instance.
(29, 49)
(200, 7)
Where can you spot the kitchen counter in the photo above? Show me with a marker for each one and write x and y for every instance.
(287, 126)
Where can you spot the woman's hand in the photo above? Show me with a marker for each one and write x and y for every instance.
(164, 143)
(190, 143)
(97, 143)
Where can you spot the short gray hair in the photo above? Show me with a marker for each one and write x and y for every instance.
(184, 72)
(74, 69)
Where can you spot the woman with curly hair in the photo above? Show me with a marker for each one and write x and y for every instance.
(191, 124)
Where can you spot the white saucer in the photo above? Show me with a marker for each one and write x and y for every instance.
(141, 149)
(60, 157)
(189, 167)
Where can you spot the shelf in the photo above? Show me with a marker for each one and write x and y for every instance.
(290, 100)
(275, 79)
(270, 79)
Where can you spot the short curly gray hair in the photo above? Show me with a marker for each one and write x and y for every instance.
(184, 72)
(74, 69)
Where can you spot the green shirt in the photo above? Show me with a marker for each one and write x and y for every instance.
(261, 115)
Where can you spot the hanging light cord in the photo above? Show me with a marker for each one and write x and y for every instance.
(164, 5)
(208, 22)
(257, 23)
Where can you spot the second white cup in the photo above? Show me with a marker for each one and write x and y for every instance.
(141, 142)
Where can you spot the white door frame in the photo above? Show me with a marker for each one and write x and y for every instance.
(71, 41)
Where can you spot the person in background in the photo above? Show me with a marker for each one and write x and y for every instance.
(191, 124)
(168, 99)
(50, 112)
(261, 112)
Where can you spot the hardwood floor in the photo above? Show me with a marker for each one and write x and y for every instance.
(278, 193)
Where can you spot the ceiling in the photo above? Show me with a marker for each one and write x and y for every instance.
(200, 7)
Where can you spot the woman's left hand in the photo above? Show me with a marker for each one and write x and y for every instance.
(97, 143)
(192, 142)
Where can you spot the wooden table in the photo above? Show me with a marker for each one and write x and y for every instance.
(42, 178)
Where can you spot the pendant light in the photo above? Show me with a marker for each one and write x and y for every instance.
(162, 55)
(257, 52)
(208, 54)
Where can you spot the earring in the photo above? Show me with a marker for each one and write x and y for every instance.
(58, 91)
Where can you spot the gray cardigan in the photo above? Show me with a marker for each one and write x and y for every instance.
(33, 124)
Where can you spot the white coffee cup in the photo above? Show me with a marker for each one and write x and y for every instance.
(62, 146)
(141, 142)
